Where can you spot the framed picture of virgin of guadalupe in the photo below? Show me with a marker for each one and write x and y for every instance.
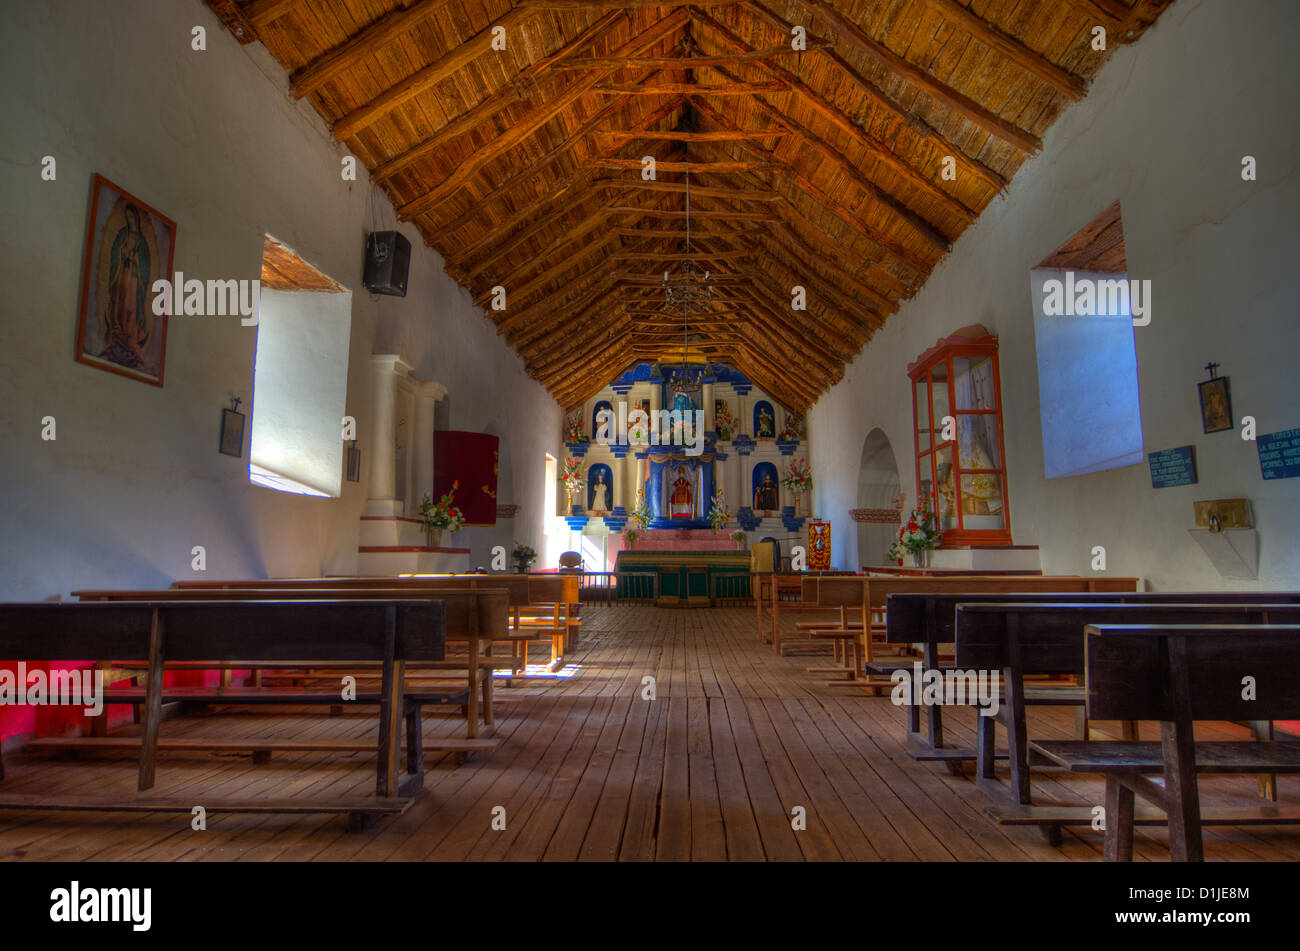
(129, 246)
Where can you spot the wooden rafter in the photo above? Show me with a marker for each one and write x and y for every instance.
(536, 118)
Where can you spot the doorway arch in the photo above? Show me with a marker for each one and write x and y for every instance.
(878, 485)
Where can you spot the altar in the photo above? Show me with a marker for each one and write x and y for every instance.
(684, 578)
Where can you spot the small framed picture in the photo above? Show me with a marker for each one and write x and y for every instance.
(232, 432)
(1216, 405)
(354, 462)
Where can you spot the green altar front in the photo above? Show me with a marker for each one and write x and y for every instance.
(682, 578)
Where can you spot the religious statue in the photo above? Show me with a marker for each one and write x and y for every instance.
(765, 499)
(766, 424)
(600, 495)
(681, 502)
(682, 403)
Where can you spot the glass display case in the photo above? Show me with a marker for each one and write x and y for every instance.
(957, 419)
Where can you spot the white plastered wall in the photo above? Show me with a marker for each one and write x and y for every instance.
(134, 480)
(1163, 129)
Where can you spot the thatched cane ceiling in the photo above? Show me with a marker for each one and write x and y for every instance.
(823, 168)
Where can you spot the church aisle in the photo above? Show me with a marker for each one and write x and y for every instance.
(709, 770)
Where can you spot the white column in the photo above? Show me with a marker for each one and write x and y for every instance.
(427, 394)
(386, 369)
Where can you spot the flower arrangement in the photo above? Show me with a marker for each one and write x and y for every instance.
(637, 519)
(443, 514)
(523, 557)
(793, 430)
(640, 514)
(718, 514)
(724, 423)
(573, 430)
(918, 534)
(739, 539)
(571, 476)
(799, 478)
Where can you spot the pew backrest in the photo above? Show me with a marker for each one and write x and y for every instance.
(1049, 639)
(914, 617)
(483, 611)
(225, 630)
(523, 589)
(835, 592)
(1193, 672)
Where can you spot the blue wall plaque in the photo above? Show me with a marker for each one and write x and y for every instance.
(1279, 454)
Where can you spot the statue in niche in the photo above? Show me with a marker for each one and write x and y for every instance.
(682, 403)
(600, 495)
(681, 504)
(765, 499)
(766, 424)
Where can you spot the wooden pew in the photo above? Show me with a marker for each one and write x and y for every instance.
(388, 632)
(926, 616)
(777, 583)
(474, 616)
(1179, 674)
(555, 594)
(1020, 639)
(924, 630)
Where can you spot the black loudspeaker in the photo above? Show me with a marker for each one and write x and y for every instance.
(388, 258)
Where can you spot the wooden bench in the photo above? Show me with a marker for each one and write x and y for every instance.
(555, 594)
(1179, 674)
(927, 618)
(1023, 639)
(775, 584)
(391, 633)
(851, 647)
(474, 616)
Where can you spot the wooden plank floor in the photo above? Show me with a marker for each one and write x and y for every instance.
(710, 770)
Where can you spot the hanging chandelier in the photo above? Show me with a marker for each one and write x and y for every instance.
(688, 289)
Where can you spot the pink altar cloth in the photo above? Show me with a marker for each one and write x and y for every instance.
(685, 539)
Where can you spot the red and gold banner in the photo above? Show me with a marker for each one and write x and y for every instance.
(819, 546)
(471, 460)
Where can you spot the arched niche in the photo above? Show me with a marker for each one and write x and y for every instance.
(878, 484)
(762, 471)
(599, 473)
(601, 406)
(764, 420)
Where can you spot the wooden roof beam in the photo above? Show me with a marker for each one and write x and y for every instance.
(560, 150)
(521, 214)
(924, 228)
(361, 45)
(853, 129)
(457, 56)
(994, 38)
(536, 119)
(673, 135)
(567, 263)
(499, 99)
(690, 89)
(957, 102)
(687, 62)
